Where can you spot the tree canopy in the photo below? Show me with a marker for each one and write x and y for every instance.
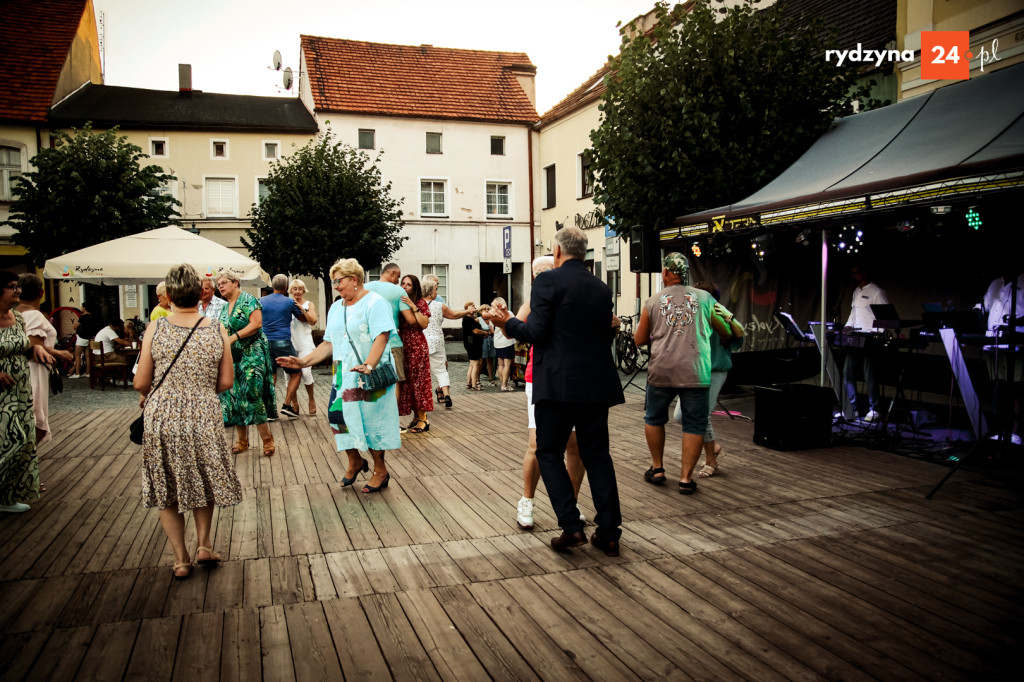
(326, 201)
(88, 188)
(708, 107)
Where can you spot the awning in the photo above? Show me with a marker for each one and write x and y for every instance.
(966, 137)
(145, 258)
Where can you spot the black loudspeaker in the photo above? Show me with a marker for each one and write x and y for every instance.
(643, 251)
(793, 416)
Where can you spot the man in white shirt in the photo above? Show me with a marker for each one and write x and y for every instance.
(862, 319)
(210, 305)
(110, 337)
(998, 305)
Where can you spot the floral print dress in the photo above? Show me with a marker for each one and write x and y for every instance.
(251, 400)
(185, 460)
(19, 468)
(416, 393)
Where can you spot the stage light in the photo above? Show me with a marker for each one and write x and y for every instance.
(762, 245)
(906, 225)
(849, 239)
(804, 237)
(941, 210)
(974, 218)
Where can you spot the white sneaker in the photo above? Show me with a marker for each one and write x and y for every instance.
(583, 517)
(872, 416)
(524, 513)
(15, 508)
(74, 376)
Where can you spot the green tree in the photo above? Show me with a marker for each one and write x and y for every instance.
(87, 189)
(709, 107)
(326, 201)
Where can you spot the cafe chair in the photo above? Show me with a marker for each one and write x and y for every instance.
(100, 368)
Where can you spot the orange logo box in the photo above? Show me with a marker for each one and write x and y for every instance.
(945, 55)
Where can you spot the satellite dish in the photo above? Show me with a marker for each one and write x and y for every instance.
(277, 60)
(288, 78)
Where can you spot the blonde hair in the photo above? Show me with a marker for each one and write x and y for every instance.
(543, 264)
(499, 301)
(429, 287)
(483, 306)
(468, 304)
(298, 283)
(161, 289)
(348, 267)
(229, 275)
(183, 286)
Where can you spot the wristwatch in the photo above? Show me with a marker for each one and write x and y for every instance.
(369, 365)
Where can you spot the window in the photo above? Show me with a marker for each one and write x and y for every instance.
(442, 278)
(432, 198)
(10, 168)
(367, 139)
(549, 186)
(613, 281)
(586, 186)
(218, 149)
(271, 150)
(221, 198)
(158, 147)
(262, 190)
(433, 143)
(498, 146)
(373, 274)
(497, 200)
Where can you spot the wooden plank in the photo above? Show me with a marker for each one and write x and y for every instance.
(107, 657)
(302, 534)
(329, 527)
(377, 571)
(285, 584)
(48, 601)
(354, 641)
(276, 649)
(406, 568)
(19, 652)
(347, 573)
(310, 639)
(451, 655)
(320, 578)
(148, 594)
(360, 530)
(240, 657)
(225, 588)
(199, 648)
(398, 642)
(60, 658)
(157, 640)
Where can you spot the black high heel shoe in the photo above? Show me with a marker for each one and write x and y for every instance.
(346, 482)
(376, 488)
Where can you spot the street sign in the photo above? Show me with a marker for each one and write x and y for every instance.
(611, 246)
(506, 266)
(506, 242)
(611, 263)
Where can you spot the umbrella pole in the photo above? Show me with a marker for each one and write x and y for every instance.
(824, 272)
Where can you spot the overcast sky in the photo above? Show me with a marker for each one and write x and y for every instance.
(229, 43)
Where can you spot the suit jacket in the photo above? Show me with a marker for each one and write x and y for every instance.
(570, 329)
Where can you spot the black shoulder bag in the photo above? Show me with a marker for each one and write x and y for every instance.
(380, 377)
(137, 426)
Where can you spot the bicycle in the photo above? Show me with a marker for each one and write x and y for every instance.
(628, 356)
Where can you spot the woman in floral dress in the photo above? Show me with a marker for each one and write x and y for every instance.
(251, 400)
(186, 465)
(363, 319)
(19, 468)
(416, 395)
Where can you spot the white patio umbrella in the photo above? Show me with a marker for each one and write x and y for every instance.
(144, 258)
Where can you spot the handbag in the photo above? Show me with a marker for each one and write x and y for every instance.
(135, 429)
(334, 414)
(56, 380)
(379, 377)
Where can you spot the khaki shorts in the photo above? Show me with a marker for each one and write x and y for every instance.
(398, 355)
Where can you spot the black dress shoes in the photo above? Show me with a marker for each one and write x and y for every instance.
(567, 541)
(609, 547)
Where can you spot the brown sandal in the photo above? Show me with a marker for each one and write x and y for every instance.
(178, 567)
(268, 447)
(240, 446)
(210, 561)
(312, 408)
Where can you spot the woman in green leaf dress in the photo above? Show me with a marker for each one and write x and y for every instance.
(251, 400)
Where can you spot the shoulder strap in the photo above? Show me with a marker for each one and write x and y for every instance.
(348, 334)
(191, 331)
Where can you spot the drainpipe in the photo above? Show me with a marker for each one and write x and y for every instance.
(529, 163)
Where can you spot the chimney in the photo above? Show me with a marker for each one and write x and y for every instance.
(185, 79)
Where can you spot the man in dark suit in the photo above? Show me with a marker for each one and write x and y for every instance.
(574, 384)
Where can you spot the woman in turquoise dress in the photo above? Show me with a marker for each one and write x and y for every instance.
(19, 468)
(363, 319)
(251, 400)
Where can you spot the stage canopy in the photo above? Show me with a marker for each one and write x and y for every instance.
(962, 139)
(145, 258)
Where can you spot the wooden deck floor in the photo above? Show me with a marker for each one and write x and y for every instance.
(825, 564)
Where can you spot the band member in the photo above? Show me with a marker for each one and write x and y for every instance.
(862, 319)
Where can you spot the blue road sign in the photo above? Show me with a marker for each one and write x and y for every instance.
(506, 241)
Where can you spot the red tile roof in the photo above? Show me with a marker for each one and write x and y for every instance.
(35, 37)
(353, 76)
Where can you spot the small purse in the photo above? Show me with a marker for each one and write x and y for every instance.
(136, 428)
(379, 377)
(56, 380)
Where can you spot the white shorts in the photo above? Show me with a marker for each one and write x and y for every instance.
(81, 342)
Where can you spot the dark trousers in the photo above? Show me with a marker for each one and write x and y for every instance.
(554, 424)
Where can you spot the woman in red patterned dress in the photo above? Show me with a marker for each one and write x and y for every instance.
(415, 395)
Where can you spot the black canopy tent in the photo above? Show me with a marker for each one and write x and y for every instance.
(959, 145)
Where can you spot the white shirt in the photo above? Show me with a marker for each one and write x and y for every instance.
(107, 336)
(861, 317)
(997, 303)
